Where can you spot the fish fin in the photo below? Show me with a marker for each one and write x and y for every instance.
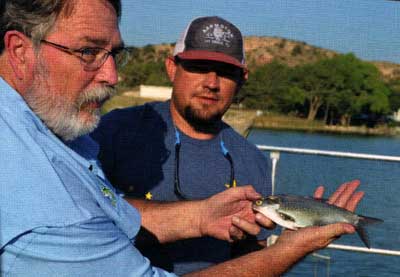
(366, 220)
(323, 200)
(363, 236)
(362, 232)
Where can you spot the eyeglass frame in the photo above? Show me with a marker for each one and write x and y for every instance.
(88, 65)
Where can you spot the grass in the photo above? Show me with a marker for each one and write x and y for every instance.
(244, 119)
(124, 100)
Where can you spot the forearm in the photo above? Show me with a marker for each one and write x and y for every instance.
(271, 261)
(289, 249)
(169, 221)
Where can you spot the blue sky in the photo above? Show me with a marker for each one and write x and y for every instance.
(368, 28)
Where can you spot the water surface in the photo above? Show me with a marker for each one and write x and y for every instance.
(300, 174)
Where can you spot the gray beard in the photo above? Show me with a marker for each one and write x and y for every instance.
(61, 117)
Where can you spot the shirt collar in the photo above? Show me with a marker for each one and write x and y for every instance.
(84, 146)
(15, 105)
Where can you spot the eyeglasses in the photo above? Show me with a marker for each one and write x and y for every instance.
(177, 186)
(92, 58)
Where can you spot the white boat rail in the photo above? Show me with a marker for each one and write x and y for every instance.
(275, 154)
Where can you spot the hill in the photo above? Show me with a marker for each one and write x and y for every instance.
(262, 50)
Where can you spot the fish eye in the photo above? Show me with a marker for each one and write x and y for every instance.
(259, 202)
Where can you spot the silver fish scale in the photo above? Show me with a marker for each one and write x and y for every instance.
(308, 211)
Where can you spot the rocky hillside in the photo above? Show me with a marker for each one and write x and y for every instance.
(261, 50)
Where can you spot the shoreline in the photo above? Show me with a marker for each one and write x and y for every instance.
(332, 129)
(245, 120)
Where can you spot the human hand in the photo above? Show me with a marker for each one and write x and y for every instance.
(241, 227)
(309, 239)
(345, 196)
(229, 215)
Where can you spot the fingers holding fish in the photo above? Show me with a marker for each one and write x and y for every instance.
(319, 192)
(328, 233)
(346, 194)
(264, 221)
(218, 213)
(352, 204)
(236, 234)
(324, 235)
(313, 238)
(245, 226)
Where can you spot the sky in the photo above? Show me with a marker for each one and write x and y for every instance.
(368, 28)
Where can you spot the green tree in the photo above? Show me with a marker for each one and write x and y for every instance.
(394, 98)
(264, 87)
(344, 85)
(146, 66)
(358, 88)
(315, 82)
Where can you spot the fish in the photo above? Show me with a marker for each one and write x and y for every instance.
(294, 212)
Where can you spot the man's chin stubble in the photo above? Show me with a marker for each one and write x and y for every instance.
(203, 123)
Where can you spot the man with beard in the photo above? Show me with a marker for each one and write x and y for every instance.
(59, 215)
(181, 149)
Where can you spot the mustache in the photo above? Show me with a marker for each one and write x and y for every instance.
(99, 94)
(207, 94)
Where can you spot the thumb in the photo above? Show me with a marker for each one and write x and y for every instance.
(250, 193)
(338, 229)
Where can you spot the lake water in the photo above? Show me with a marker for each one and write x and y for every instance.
(300, 174)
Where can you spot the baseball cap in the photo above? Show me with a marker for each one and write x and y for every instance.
(211, 38)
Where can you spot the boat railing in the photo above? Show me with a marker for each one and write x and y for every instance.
(275, 155)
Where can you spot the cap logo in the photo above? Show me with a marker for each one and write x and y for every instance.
(218, 34)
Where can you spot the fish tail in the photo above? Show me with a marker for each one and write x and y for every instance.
(362, 232)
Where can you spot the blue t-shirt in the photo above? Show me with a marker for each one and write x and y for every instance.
(59, 216)
(137, 152)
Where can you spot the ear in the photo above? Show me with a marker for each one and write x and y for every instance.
(242, 80)
(170, 66)
(19, 53)
(245, 75)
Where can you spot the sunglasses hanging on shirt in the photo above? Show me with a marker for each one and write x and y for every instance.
(177, 186)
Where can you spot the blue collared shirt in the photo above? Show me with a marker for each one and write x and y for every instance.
(59, 216)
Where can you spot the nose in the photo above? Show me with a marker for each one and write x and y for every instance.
(211, 80)
(108, 73)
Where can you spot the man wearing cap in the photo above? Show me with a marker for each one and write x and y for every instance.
(59, 215)
(181, 149)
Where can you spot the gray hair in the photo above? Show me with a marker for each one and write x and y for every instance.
(36, 18)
